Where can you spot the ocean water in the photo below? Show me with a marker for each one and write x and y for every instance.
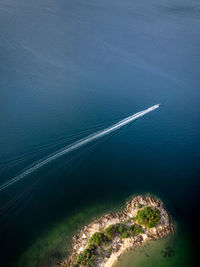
(70, 67)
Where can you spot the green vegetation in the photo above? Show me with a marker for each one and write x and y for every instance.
(137, 229)
(124, 231)
(109, 250)
(85, 258)
(131, 231)
(110, 231)
(148, 217)
(96, 239)
(121, 229)
(99, 240)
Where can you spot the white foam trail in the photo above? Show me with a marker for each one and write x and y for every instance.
(78, 144)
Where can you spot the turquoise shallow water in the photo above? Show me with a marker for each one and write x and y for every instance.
(153, 253)
(69, 66)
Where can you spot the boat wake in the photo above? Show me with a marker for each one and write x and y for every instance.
(76, 145)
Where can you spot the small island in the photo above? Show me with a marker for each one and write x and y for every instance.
(102, 242)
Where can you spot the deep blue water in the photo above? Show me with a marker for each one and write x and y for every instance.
(69, 65)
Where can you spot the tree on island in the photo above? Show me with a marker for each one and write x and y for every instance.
(148, 217)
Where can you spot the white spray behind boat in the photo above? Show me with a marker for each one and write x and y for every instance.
(82, 142)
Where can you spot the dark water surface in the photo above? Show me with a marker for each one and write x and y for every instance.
(71, 65)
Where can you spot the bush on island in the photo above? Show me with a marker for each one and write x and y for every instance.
(85, 258)
(110, 231)
(122, 230)
(96, 239)
(137, 229)
(148, 217)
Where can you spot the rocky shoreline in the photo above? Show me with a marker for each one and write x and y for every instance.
(118, 245)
